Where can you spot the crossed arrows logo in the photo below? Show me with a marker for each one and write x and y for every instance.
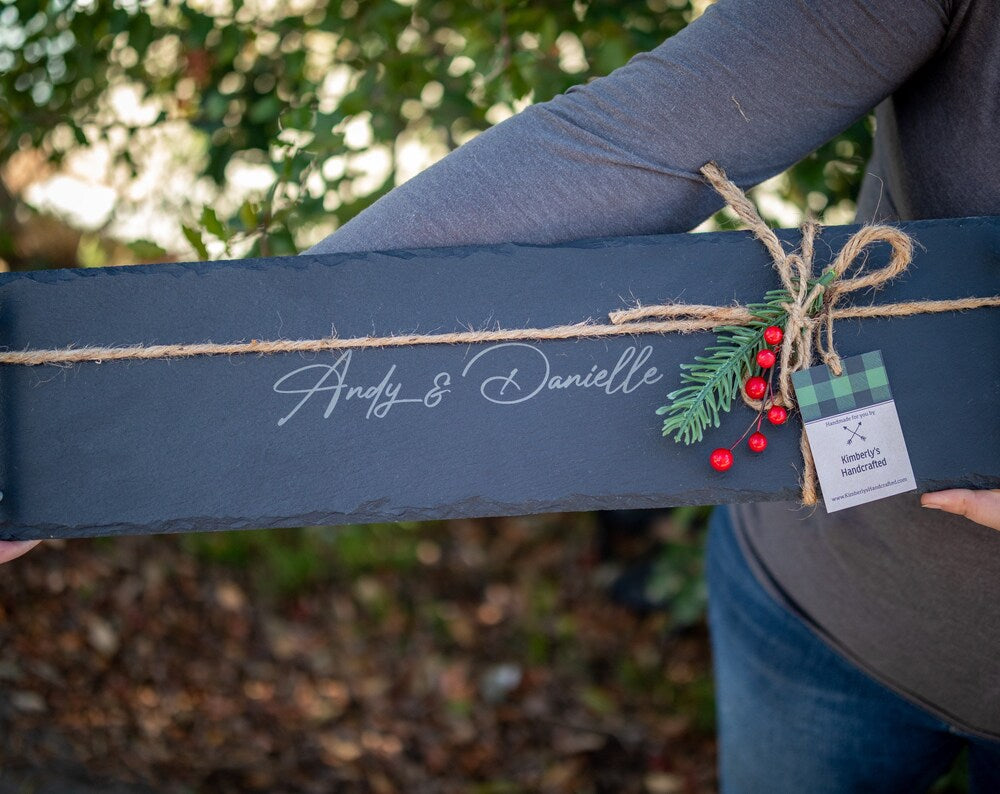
(854, 433)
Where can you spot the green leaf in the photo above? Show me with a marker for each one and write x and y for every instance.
(213, 225)
(264, 110)
(302, 118)
(194, 237)
(281, 242)
(78, 134)
(146, 250)
(248, 215)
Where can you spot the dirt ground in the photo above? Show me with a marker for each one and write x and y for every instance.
(465, 656)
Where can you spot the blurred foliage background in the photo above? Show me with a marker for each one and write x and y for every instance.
(153, 130)
(217, 128)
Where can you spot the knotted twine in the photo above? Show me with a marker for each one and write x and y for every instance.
(811, 310)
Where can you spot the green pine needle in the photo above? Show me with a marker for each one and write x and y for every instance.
(714, 380)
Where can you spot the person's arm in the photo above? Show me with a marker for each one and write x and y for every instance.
(753, 84)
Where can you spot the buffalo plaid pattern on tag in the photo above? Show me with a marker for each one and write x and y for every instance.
(821, 394)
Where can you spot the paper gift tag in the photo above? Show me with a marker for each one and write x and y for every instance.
(854, 432)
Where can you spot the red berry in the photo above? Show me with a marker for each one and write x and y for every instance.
(755, 387)
(757, 442)
(766, 358)
(777, 415)
(773, 335)
(721, 459)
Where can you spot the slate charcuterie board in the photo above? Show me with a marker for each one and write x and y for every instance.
(442, 431)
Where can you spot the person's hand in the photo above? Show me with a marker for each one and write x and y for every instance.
(983, 507)
(9, 549)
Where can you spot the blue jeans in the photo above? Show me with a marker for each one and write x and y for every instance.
(795, 716)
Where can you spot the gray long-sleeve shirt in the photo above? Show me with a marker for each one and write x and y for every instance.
(910, 595)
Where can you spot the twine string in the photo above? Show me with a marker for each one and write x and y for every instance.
(811, 311)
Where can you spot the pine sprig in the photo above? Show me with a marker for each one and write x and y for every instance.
(714, 381)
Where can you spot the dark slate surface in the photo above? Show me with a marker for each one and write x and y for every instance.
(166, 446)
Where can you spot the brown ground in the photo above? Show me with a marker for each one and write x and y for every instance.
(464, 656)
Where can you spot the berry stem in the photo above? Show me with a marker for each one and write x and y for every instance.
(767, 396)
(746, 432)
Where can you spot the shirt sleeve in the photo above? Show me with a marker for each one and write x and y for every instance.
(752, 84)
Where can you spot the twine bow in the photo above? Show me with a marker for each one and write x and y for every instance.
(812, 308)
